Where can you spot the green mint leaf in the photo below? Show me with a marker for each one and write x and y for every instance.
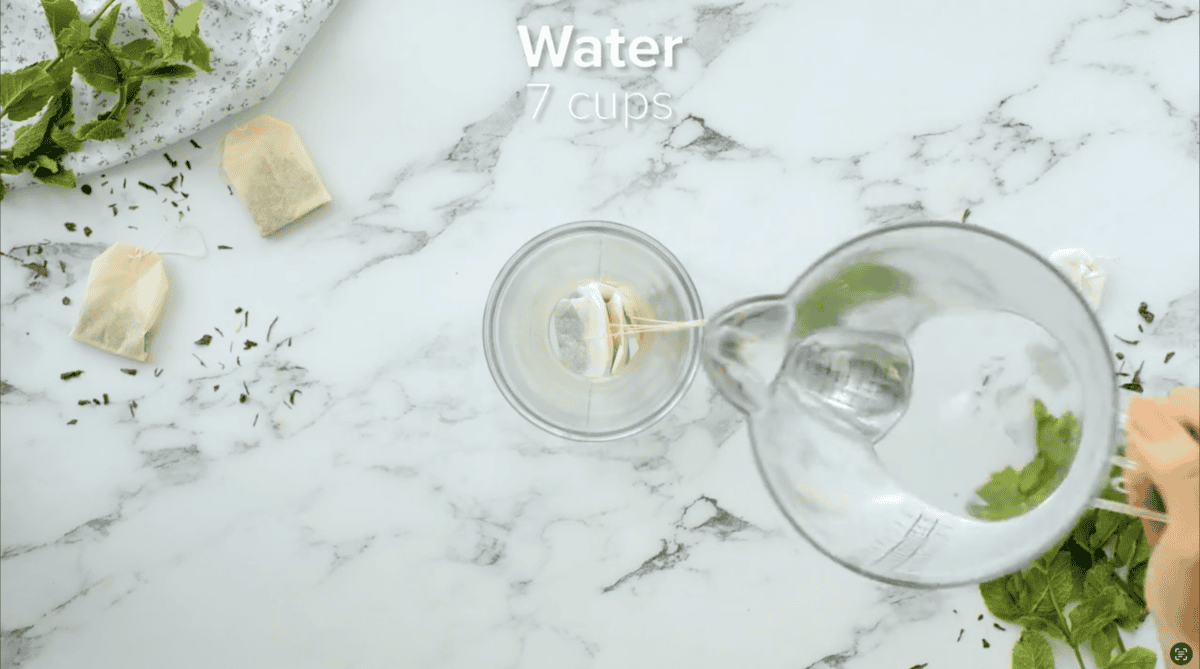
(1127, 542)
(7, 166)
(187, 19)
(47, 163)
(198, 53)
(75, 34)
(104, 30)
(1002, 489)
(98, 68)
(137, 50)
(999, 600)
(65, 139)
(1066, 580)
(852, 287)
(1107, 524)
(1038, 599)
(1103, 643)
(63, 178)
(3, 191)
(1098, 579)
(1032, 651)
(101, 130)
(156, 16)
(1083, 531)
(167, 72)
(29, 137)
(25, 92)
(1046, 623)
(1134, 658)
(60, 14)
(1028, 478)
(1091, 616)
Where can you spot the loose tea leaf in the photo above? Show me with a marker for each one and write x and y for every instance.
(1144, 312)
(204, 341)
(70, 375)
(131, 372)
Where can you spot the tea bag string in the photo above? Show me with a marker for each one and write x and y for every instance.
(643, 324)
(204, 247)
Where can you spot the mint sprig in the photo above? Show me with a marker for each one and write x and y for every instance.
(1079, 568)
(86, 49)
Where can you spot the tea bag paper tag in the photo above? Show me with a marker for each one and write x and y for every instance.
(1084, 271)
(271, 171)
(126, 292)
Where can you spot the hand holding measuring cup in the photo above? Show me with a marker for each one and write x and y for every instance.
(1168, 459)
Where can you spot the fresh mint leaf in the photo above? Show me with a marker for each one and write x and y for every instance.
(1028, 478)
(98, 68)
(1032, 651)
(24, 93)
(1134, 658)
(101, 130)
(999, 600)
(166, 72)
(65, 139)
(7, 166)
(1107, 525)
(104, 30)
(1103, 643)
(63, 177)
(853, 286)
(29, 137)
(60, 14)
(156, 16)
(1091, 616)
(1047, 623)
(187, 19)
(1002, 489)
(1066, 580)
(198, 53)
(137, 50)
(1127, 543)
(1098, 579)
(74, 35)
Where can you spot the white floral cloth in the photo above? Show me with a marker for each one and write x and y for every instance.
(252, 43)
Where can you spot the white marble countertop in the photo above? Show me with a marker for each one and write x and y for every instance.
(374, 502)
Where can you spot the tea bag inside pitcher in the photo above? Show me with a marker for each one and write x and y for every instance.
(271, 171)
(126, 293)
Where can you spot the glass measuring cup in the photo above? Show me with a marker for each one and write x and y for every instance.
(896, 375)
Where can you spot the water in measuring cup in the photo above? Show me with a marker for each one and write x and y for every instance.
(943, 409)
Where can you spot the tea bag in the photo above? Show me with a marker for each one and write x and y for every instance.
(1083, 271)
(271, 171)
(126, 293)
(587, 330)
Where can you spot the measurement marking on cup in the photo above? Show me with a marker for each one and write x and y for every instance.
(911, 542)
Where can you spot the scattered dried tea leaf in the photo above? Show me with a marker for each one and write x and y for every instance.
(204, 341)
(70, 375)
(1144, 312)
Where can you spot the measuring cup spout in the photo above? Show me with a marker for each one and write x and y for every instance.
(744, 348)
